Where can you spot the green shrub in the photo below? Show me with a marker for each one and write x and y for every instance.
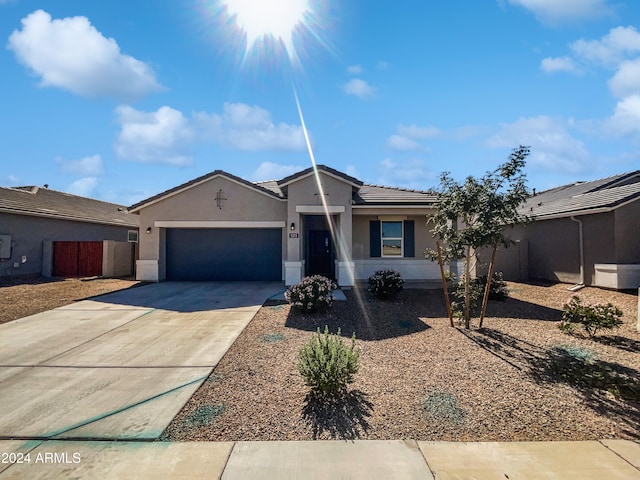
(591, 317)
(312, 293)
(327, 364)
(497, 291)
(385, 283)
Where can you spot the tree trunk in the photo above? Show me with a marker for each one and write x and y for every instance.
(487, 287)
(467, 292)
(444, 284)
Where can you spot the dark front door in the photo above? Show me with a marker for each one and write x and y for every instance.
(320, 258)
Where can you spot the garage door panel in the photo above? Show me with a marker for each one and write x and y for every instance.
(224, 254)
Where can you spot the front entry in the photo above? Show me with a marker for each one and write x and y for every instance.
(320, 253)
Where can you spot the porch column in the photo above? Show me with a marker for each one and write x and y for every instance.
(346, 266)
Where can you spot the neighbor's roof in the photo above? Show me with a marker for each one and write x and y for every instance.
(43, 202)
(582, 198)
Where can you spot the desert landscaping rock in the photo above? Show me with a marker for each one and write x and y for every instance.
(511, 381)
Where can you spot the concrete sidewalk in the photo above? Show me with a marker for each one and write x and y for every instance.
(372, 459)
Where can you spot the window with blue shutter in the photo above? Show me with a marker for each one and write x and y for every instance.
(375, 245)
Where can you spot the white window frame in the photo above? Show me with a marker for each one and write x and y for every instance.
(383, 238)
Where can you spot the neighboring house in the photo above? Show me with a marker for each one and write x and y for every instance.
(222, 227)
(583, 233)
(46, 232)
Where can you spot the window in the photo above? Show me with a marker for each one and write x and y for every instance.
(392, 239)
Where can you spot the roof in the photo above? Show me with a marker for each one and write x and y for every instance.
(583, 198)
(363, 194)
(44, 202)
(323, 168)
(197, 181)
(381, 195)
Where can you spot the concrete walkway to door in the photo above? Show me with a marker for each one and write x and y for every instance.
(122, 365)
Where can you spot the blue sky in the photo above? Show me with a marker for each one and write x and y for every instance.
(121, 100)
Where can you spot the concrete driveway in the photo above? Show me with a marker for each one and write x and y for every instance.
(122, 365)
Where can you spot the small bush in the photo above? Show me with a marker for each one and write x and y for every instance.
(497, 291)
(327, 364)
(312, 293)
(385, 284)
(591, 317)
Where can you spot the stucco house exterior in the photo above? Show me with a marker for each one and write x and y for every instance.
(582, 233)
(47, 232)
(316, 221)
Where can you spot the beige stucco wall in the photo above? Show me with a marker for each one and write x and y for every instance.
(361, 244)
(306, 192)
(198, 203)
(116, 258)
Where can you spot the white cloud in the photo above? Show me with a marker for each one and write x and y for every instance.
(617, 45)
(403, 144)
(553, 148)
(411, 173)
(83, 187)
(559, 64)
(355, 69)
(382, 65)
(407, 136)
(626, 80)
(11, 180)
(626, 118)
(88, 166)
(274, 171)
(71, 54)
(359, 88)
(558, 11)
(416, 132)
(249, 128)
(163, 136)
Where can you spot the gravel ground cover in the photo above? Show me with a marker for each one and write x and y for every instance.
(519, 378)
(25, 295)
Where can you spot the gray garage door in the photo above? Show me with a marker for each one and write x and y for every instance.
(224, 254)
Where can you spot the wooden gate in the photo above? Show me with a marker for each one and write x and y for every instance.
(77, 259)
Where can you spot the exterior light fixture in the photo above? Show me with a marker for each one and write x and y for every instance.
(148, 229)
(293, 226)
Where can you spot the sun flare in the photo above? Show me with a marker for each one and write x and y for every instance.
(264, 19)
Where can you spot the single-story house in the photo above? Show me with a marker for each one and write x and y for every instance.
(51, 233)
(317, 221)
(582, 233)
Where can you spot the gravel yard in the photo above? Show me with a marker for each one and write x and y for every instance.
(519, 378)
(27, 295)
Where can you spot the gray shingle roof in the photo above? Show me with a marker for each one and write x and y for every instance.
(381, 195)
(43, 202)
(582, 198)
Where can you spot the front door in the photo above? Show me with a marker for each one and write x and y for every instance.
(320, 258)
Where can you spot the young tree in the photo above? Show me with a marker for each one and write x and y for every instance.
(473, 215)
